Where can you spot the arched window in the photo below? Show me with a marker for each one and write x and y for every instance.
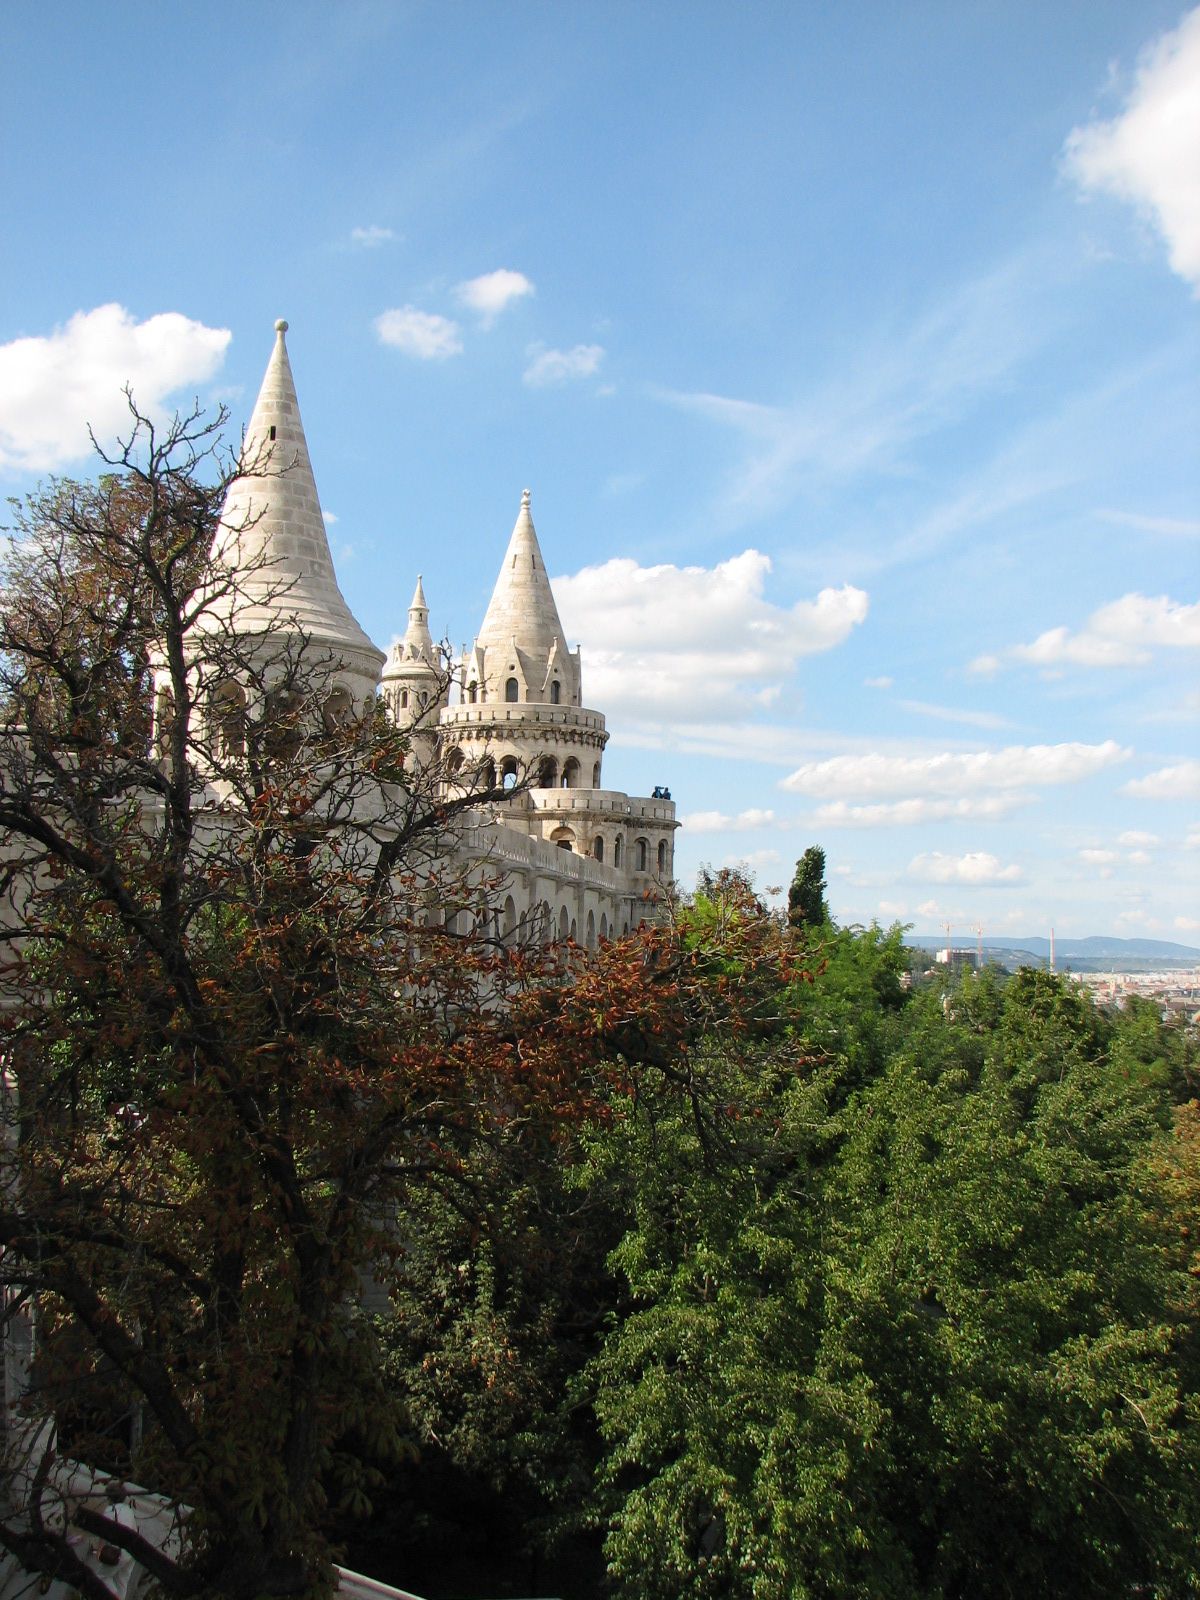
(564, 924)
(487, 775)
(598, 847)
(596, 775)
(617, 851)
(591, 930)
(662, 855)
(555, 692)
(570, 774)
(508, 923)
(473, 693)
(454, 762)
(229, 719)
(508, 772)
(337, 710)
(603, 926)
(512, 690)
(547, 773)
(283, 735)
(404, 699)
(641, 855)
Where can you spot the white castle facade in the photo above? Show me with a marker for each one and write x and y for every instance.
(581, 860)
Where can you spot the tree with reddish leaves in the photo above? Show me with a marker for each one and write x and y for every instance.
(254, 1000)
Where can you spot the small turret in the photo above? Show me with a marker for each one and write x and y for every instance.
(414, 684)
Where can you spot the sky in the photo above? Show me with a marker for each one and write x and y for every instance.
(850, 354)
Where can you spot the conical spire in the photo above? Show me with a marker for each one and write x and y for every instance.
(272, 530)
(418, 641)
(522, 626)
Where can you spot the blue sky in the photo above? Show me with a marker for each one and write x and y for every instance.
(850, 353)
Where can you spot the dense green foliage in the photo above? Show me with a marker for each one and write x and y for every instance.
(888, 1294)
(920, 1328)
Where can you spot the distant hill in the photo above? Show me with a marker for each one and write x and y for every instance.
(1090, 954)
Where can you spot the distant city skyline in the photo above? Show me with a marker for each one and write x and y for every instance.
(850, 355)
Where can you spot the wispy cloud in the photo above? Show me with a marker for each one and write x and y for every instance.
(53, 386)
(690, 643)
(492, 292)
(422, 334)
(1148, 154)
(722, 822)
(970, 719)
(549, 368)
(950, 773)
(1181, 527)
(1124, 633)
(904, 385)
(370, 238)
(920, 810)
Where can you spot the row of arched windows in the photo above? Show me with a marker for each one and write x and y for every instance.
(228, 718)
(641, 852)
(512, 692)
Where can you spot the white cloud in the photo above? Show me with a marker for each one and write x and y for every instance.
(1122, 634)
(1192, 839)
(721, 822)
(914, 812)
(489, 294)
(548, 368)
(878, 683)
(1097, 857)
(329, 517)
(423, 334)
(977, 867)
(1148, 154)
(1174, 527)
(758, 859)
(370, 238)
(52, 387)
(950, 773)
(905, 384)
(1179, 782)
(1137, 839)
(971, 719)
(1188, 924)
(694, 643)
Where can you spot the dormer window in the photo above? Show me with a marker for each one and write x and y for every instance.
(512, 690)
(555, 692)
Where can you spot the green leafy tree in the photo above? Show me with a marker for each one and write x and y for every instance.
(916, 1324)
(806, 895)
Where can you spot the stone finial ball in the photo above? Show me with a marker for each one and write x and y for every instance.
(281, 326)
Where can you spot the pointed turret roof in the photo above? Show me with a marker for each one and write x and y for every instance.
(417, 644)
(272, 530)
(522, 608)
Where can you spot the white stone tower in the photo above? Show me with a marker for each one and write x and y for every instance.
(521, 705)
(282, 604)
(272, 537)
